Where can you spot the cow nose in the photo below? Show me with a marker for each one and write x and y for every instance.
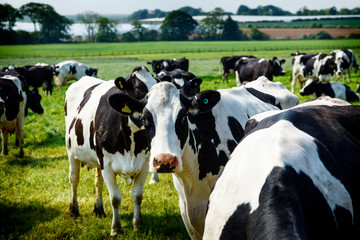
(165, 163)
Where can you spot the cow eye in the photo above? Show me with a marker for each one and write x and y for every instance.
(139, 93)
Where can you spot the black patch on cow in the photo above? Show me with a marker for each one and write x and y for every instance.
(140, 142)
(86, 97)
(148, 122)
(351, 96)
(79, 132)
(72, 124)
(322, 56)
(9, 92)
(72, 69)
(207, 140)
(267, 98)
(181, 127)
(236, 129)
(65, 108)
(69, 143)
(92, 134)
(231, 145)
(235, 226)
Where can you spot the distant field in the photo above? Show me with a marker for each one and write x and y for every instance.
(35, 190)
(192, 49)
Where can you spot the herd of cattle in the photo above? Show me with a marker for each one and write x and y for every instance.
(249, 162)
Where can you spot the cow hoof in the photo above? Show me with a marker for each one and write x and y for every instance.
(136, 224)
(114, 232)
(99, 212)
(20, 155)
(74, 212)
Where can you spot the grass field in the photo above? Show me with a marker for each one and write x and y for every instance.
(35, 191)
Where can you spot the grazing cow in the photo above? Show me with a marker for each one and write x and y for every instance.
(192, 137)
(99, 137)
(251, 68)
(302, 184)
(169, 65)
(36, 76)
(12, 111)
(297, 53)
(180, 80)
(331, 89)
(72, 70)
(228, 65)
(345, 60)
(312, 66)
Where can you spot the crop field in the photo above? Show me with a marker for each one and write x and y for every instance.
(35, 190)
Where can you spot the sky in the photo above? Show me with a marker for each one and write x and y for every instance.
(73, 7)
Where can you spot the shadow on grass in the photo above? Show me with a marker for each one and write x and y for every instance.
(33, 162)
(18, 219)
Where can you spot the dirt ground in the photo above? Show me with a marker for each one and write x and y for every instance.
(296, 33)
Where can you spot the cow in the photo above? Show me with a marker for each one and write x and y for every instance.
(312, 66)
(331, 89)
(250, 69)
(297, 53)
(228, 65)
(192, 137)
(72, 70)
(302, 184)
(181, 64)
(99, 137)
(36, 76)
(13, 100)
(181, 80)
(345, 60)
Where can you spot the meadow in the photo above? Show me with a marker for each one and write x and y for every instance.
(35, 190)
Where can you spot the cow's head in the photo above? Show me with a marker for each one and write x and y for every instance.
(327, 68)
(164, 114)
(158, 65)
(342, 61)
(309, 87)
(33, 102)
(276, 66)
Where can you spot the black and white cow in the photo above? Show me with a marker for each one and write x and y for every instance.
(99, 137)
(249, 69)
(312, 66)
(181, 64)
(345, 60)
(13, 100)
(228, 65)
(72, 70)
(181, 80)
(295, 175)
(193, 137)
(331, 89)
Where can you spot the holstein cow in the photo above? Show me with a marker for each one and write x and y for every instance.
(12, 111)
(193, 137)
(181, 64)
(228, 65)
(250, 69)
(72, 70)
(312, 66)
(331, 89)
(295, 175)
(99, 137)
(345, 60)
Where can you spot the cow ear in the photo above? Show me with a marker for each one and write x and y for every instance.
(165, 78)
(126, 105)
(195, 83)
(120, 83)
(205, 101)
(282, 61)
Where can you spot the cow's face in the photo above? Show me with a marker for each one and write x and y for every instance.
(164, 114)
(309, 87)
(342, 61)
(276, 66)
(327, 69)
(92, 72)
(34, 104)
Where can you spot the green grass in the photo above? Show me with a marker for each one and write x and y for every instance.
(35, 190)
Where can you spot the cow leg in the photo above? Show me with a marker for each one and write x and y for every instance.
(99, 183)
(4, 135)
(238, 82)
(154, 178)
(115, 199)
(74, 175)
(137, 194)
(20, 134)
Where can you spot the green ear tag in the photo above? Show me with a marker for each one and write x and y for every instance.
(126, 109)
(206, 101)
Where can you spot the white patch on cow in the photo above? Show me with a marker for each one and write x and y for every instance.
(261, 60)
(166, 64)
(146, 77)
(248, 168)
(179, 81)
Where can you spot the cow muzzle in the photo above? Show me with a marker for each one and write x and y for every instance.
(165, 163)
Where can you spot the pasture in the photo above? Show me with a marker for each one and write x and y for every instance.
(35, 190)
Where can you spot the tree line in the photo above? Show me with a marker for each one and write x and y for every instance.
(177, 25)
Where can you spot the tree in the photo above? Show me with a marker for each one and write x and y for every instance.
(256, 34)
(138, 30)
(323, 35)
(8, 15)
(231, 30)
(212, 24)
(107, 30)
(140, 14)
(243, 10)
(89, 19)
(32, 11)
(177, 25)
(192, 11)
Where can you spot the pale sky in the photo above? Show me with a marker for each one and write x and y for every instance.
(73, 7)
